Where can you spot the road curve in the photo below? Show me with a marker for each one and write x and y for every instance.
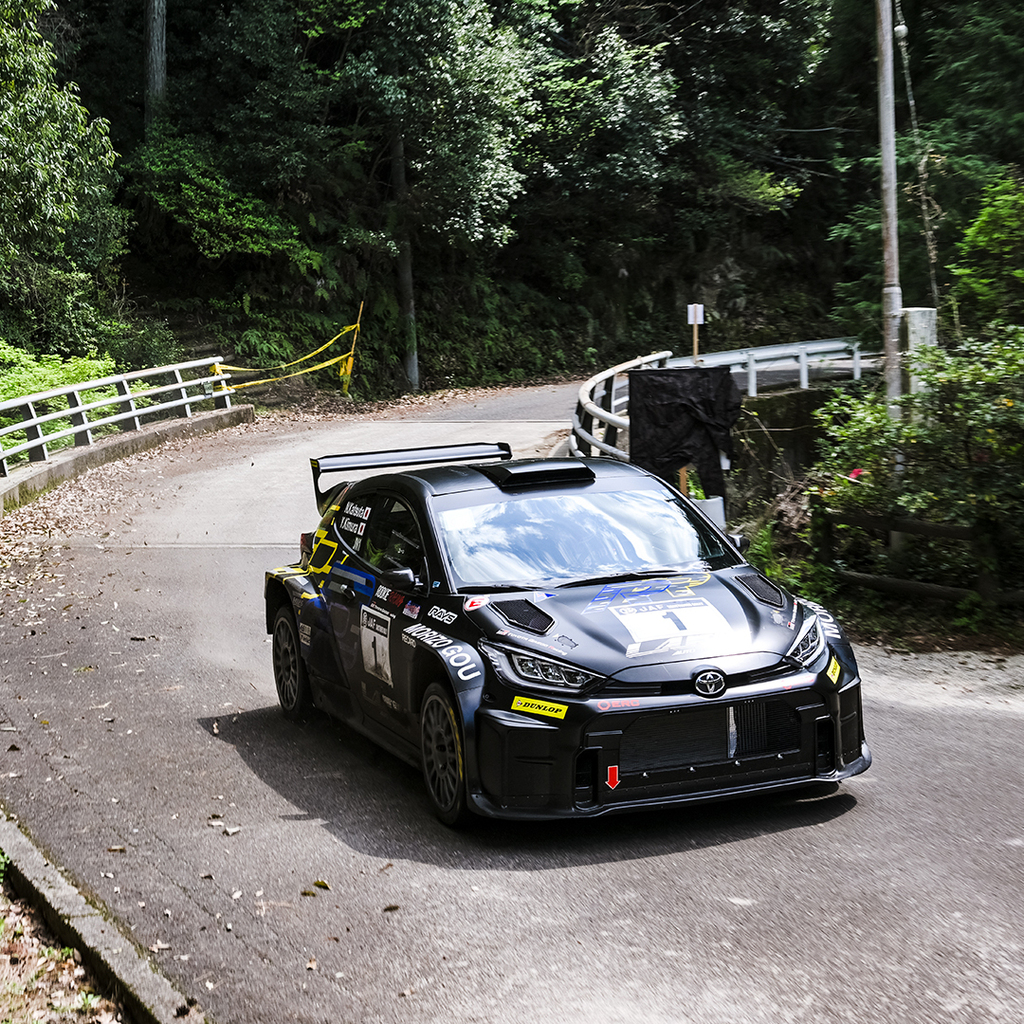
(293, 872)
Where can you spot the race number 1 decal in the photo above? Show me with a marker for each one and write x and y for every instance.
(375, 637)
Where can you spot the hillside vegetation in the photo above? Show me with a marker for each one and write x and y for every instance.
(508, 188)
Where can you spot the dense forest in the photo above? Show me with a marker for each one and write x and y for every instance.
(508, 188)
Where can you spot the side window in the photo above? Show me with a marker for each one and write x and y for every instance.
(392, 538)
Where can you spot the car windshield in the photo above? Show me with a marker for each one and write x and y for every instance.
(568, 538)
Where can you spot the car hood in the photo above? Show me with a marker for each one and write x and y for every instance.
(734, 619)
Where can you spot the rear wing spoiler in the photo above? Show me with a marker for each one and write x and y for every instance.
(403, 457)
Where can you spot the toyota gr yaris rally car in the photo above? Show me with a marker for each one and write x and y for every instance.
(556, 638)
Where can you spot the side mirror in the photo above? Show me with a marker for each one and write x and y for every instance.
(742, 542)
(400, 579)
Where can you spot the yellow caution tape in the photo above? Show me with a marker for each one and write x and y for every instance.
(294, 362)
(347, 357)
(344, 363)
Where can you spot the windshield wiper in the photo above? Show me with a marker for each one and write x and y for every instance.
(487, 588)
(645, 574)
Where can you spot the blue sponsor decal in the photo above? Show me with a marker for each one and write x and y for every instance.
(363, 584)
(617, 594)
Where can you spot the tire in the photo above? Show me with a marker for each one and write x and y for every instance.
(289, 668)
(441, 756)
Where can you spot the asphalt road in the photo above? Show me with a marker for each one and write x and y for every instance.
(294, 872)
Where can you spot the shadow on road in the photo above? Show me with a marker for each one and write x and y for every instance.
(376, 804)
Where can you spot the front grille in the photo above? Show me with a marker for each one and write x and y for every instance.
(766, 727)
(671, 741)
(709, 735)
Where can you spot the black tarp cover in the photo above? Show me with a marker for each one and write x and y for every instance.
(683, 416)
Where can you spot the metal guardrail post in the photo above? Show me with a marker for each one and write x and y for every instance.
(804, 382)
(34, 432)
(184, 411)
(131, 422)
(611, 432)
(83, 437)
(751, 375)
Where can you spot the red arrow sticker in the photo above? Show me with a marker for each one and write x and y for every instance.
(613, 776)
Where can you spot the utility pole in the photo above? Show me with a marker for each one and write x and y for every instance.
(892, 295)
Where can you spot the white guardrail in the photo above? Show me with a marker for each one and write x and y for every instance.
(602, 409)
(34, 423)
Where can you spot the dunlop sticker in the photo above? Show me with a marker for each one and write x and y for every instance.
(539, 707)
(833, 670)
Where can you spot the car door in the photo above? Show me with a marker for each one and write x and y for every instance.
(376, 589)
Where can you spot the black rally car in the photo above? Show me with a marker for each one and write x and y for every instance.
(553, 638)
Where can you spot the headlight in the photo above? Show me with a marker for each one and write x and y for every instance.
(810, 643)
(528, 668)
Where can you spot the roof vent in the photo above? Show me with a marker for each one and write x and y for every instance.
(524, 613)
(540, 473)
(762, 589)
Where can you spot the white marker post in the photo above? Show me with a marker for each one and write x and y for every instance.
(695, 315)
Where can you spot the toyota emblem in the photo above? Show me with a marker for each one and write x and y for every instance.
(709, 684)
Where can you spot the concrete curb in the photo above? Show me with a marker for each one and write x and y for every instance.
(27, 481)
(117, 962)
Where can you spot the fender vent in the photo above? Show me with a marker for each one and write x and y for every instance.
(525, 614)
(762, 589)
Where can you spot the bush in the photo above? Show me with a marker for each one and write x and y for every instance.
(24, 374)
(955, 454)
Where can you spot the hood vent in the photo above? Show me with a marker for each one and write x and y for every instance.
(762, 589)
(525, 614)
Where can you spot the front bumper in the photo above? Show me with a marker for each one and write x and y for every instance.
(609, 756)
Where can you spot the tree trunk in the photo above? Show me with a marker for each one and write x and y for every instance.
(406, 303)
(156, 58)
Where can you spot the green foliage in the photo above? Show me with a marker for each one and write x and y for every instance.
(954, 455)
(799, 575)
(23, 374)
(51, 156)
(181, 176)
(60, 233)
(990, 271)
